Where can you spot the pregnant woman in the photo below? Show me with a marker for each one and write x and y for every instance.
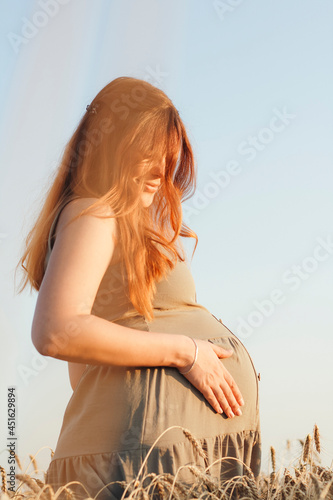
(117, 301)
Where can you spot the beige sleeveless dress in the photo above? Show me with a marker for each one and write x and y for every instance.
(116, 413)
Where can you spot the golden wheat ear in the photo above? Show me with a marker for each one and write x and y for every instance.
(3, 480)
(306, 448)
(316, 437)
(273, 458)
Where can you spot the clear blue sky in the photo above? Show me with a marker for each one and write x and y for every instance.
(253, 85)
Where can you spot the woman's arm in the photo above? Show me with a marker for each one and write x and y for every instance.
(63, 326)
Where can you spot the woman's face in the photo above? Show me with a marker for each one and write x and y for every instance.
(153, 179)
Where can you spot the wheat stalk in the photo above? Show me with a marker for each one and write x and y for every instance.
(69, 494)
(18, 461)
(48, 492)
(161, 490)
(316, 484)
(324, 473)
(205, 479)
(273, 458)
(4, 480)
(196, 445)
(252, 488)
(272, 478)
(169, 477)
(306, 448)
(33, 461)
(326, 490)
(25, 478)
(163, 484)
(316, 437)
(289, 481)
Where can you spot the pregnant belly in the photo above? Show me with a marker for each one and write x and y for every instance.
(198, 322)
(116, 408)
(173, 400)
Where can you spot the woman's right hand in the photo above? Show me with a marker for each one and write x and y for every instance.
(213, 380)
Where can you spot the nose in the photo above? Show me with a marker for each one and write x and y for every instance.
(158, 170)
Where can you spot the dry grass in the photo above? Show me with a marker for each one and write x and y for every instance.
(307, 481)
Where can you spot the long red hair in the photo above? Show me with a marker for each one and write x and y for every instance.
(129, 123)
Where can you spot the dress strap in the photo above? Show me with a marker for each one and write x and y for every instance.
(54, 223)
(50, 241)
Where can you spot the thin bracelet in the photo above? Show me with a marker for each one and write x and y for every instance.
(195, 357)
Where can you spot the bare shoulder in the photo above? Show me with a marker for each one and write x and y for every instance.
(83, 203)
(74, 208)
(82, 252)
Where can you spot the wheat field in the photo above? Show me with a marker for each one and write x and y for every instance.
(304, 481)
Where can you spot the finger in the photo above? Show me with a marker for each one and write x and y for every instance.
(222, 398)
(212, 400)
(231, 391)
(228, 399)
(234, 387)
(221, 352)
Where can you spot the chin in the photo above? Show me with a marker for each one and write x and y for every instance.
(147, 199)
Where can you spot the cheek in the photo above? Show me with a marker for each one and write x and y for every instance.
(141, 168)
(146, 200)
(138, 173)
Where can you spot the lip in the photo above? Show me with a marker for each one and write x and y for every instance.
(152, 187)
